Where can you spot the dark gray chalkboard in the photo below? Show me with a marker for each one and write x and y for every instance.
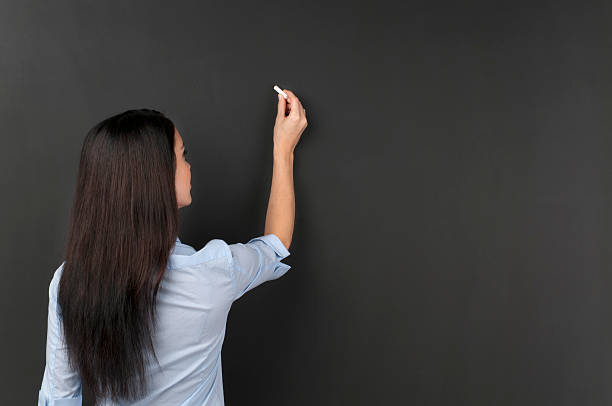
(453, 224)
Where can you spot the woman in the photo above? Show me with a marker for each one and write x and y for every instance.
(135, 316)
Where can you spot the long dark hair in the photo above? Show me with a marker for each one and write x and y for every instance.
(124, 223)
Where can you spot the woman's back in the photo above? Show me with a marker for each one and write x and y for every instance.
(193, 302)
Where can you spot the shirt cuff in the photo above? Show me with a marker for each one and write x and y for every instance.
(273, 241)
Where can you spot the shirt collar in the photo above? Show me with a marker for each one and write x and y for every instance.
(178, 241)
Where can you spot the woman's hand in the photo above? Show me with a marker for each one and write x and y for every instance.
(290, 122)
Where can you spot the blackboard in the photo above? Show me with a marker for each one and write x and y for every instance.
(453, 223)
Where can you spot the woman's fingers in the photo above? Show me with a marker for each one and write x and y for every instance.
(294, 104)
(281, 107)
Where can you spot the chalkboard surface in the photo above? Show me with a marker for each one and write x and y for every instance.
(453, 224)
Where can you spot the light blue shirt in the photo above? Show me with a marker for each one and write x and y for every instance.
(193, 302)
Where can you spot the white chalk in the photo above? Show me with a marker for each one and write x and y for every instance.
(278, 89)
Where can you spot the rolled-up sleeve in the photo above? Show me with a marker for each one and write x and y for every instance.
(256, 262)
(61, 384)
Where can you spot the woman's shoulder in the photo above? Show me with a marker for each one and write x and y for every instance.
(185, 255)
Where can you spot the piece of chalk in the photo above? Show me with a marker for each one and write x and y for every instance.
(278, 89)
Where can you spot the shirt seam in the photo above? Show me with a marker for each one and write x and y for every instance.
(230, 261)
(183, 266)
(257, 274)
(52, 367)
(202, 382)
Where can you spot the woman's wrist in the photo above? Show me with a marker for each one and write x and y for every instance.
(283, 154)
